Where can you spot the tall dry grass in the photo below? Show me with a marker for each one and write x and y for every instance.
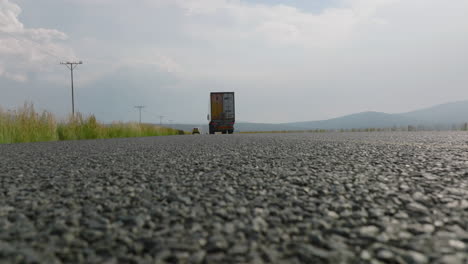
(26, 125)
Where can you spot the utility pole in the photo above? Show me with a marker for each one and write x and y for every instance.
(139, 107)
(160, 119)
(72, 66)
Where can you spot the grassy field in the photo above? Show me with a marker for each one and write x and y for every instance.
(26, 125)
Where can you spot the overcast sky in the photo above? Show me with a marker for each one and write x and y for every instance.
(287, 60)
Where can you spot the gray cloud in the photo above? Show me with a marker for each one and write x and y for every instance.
(284, 63)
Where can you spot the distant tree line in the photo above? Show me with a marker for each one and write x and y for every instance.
(440, 127)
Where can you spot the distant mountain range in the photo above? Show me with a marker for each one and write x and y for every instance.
(439, 116)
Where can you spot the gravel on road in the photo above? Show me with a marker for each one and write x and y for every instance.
(260, 198)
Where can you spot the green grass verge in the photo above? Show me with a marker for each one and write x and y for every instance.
(27, 125)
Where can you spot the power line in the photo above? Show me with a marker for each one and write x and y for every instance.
(140, 107)
(72, 66)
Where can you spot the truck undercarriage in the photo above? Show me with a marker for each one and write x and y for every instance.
(223, 127)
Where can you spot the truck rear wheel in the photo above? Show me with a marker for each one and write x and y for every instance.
(231, 131)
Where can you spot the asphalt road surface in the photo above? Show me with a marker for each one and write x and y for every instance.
(264, 198)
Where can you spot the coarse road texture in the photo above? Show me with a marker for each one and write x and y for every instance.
(264, 198)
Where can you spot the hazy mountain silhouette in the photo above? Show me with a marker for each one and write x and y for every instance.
(440, 116)
(449, 113)
(359, 120)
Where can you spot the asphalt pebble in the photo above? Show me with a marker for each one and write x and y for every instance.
(263, 198)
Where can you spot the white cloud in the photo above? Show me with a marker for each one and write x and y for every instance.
(9, 17)
(25, 50)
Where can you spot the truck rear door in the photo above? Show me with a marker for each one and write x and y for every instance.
(228, 106)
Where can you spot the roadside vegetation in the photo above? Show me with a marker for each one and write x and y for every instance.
(285, 131)
(25, 124)
(457, 127)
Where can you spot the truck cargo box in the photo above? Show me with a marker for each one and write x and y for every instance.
(222, 112)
